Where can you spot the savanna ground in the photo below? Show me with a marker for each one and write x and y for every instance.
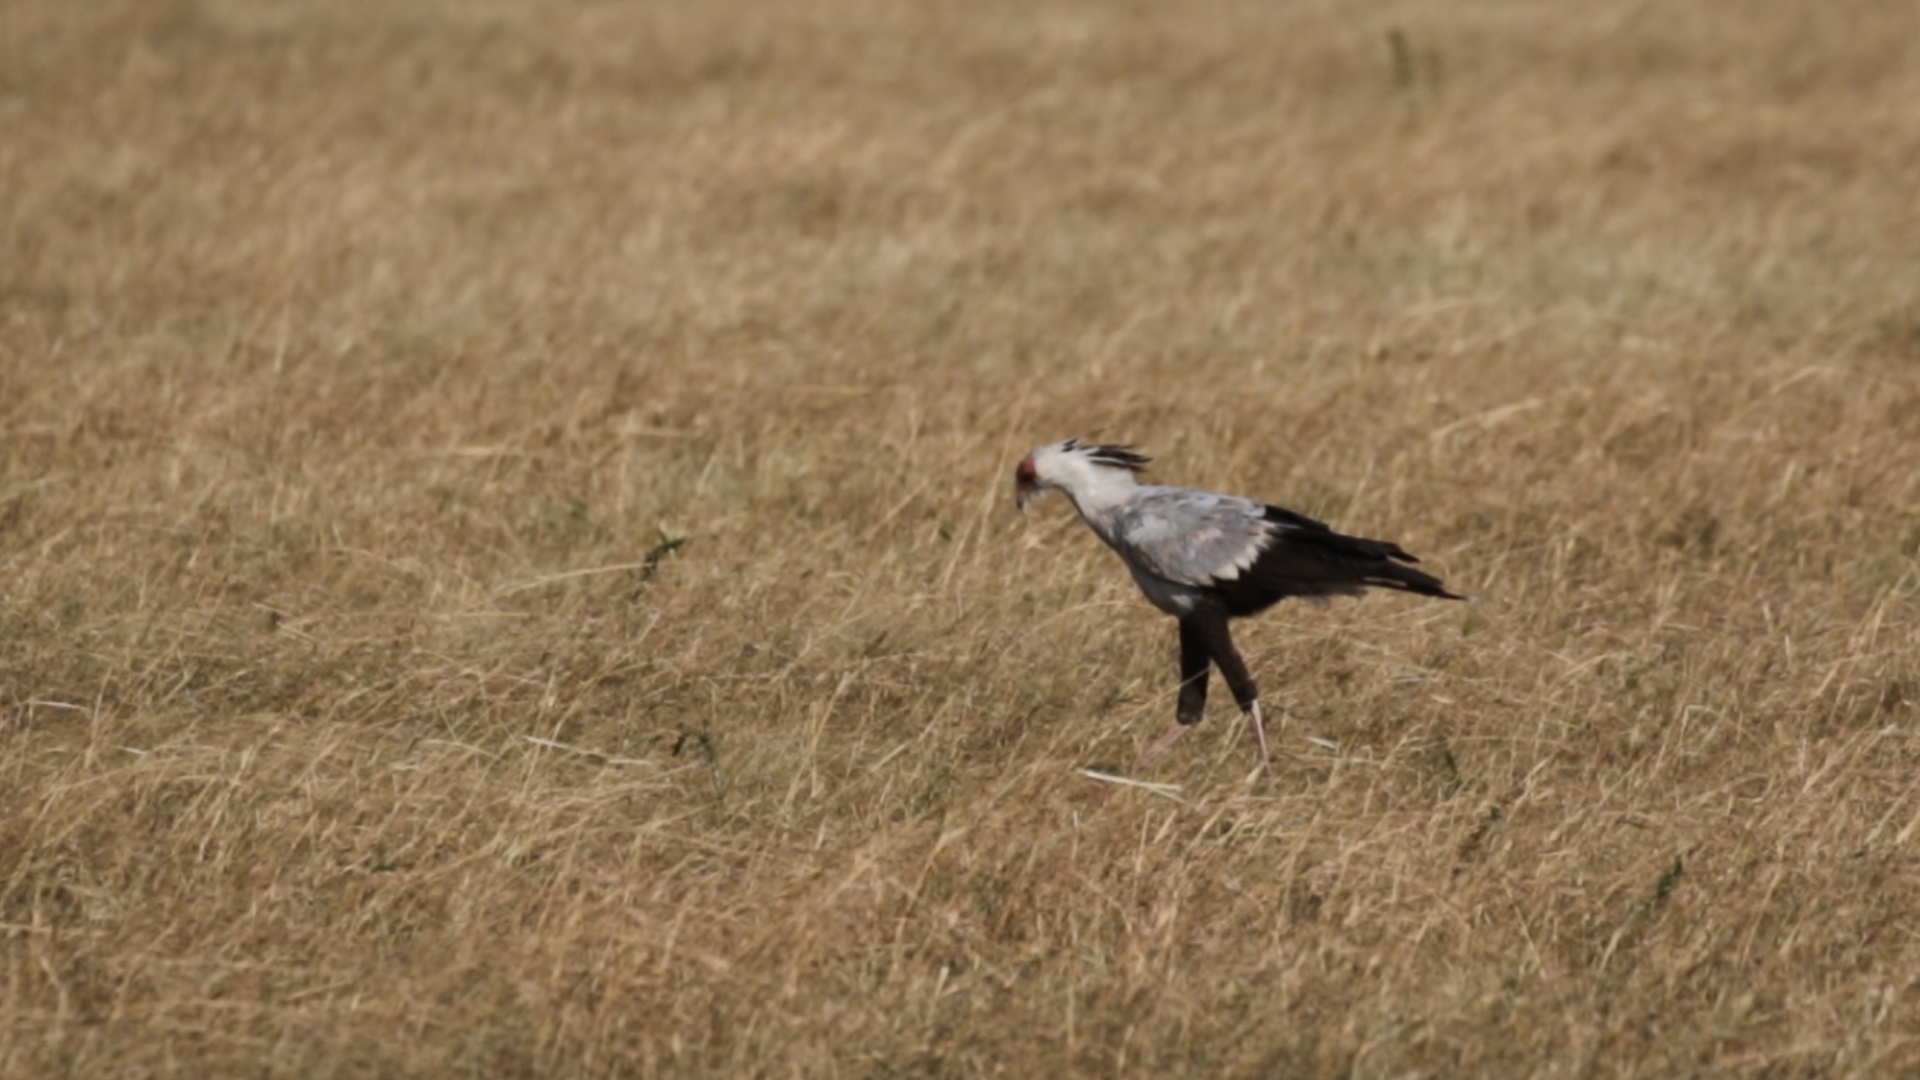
(507, 565)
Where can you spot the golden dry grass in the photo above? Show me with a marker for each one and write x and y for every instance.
(359, 360)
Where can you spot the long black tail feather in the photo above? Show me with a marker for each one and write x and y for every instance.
(1309, 559)
(1406, 579)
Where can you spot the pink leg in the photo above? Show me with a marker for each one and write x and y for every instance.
(1160, 745)
(1260, 732)
(1209, 623)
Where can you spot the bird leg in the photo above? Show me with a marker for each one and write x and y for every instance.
(1212, 622)
(1195, 666)
(1260, 732)
(1160, 745)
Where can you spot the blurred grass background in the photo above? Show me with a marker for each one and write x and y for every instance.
(507, 563)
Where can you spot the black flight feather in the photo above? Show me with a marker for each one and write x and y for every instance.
(1306, 558)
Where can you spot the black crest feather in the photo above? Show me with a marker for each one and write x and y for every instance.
(1120, 457)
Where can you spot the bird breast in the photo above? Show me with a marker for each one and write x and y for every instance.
(1171, 597)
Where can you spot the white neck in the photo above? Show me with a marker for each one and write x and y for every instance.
(1098, 492)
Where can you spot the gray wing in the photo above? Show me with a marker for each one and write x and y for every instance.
(1194, 537)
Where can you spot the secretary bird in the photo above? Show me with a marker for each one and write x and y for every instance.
(1205, 558)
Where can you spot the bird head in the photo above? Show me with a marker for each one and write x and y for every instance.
(1070, 465)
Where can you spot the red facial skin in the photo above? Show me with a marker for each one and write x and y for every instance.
(1024, 479)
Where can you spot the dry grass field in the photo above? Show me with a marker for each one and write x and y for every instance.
(508, 565)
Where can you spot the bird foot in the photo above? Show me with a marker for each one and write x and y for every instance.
(1161, 744)
(1260, 732)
